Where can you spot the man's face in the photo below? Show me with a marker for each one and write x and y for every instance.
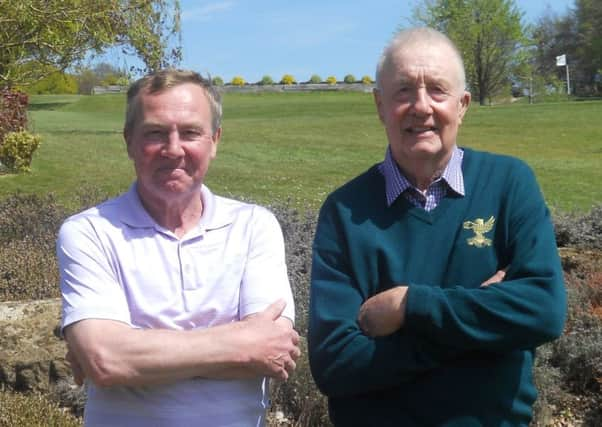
(421, 102)
(172, 142)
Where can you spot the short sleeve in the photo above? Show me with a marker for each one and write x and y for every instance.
(89, 285)
(265, 278)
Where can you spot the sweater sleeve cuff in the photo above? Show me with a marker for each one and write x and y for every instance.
(419, 305)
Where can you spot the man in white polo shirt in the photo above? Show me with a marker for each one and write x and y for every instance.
(176, 302)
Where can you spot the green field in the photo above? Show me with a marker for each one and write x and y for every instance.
(300, 146)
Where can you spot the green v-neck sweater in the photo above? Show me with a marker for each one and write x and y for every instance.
(464, 355)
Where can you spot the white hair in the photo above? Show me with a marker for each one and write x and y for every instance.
(412, 37)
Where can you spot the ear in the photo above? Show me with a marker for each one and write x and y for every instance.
(464, 103)
(378, 101)
(215, 139)
(128, 144)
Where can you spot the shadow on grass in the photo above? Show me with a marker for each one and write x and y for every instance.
(47, 105)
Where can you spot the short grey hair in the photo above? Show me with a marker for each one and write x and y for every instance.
(165, 79)
(413, 36)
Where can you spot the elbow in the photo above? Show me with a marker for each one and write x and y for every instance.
(100, 368)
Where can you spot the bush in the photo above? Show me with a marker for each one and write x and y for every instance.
(315, 79)
(217, 81)
(288, 79)
(33, 411)
(580, 231)
(13, 112)
(367, 80)
(349, 78)
(56, 83)
(237, 81)
(16, 151)
(331, 80)
(266, 80)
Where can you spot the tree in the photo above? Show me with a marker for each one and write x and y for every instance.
(349, 78)
(102, 74)
(367, 80)
(217, 81)
(331, 80)
(266, 80)
(287, 79)
(315, 79)
(488, 33)
(54, 35)
(56, 83)
(237, 81)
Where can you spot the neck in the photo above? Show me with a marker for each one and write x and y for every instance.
(177, 214)
(421, 172)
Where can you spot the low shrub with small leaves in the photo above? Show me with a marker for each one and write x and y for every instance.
(33, 410)
(16, 151)
(580, 231)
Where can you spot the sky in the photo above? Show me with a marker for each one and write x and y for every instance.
(254, 38)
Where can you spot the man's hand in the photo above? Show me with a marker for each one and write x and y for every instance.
(76, 369)
(496, 278)
(271, 342)
(384, 313)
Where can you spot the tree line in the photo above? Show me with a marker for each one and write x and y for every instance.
(501, 52)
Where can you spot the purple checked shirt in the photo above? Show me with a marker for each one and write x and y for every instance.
(396, 183)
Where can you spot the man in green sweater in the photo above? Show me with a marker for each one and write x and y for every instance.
(435, 273)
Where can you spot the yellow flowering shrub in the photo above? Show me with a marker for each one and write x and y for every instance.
(237, 81)
(331, 80)
(16, 151)
(287, 79)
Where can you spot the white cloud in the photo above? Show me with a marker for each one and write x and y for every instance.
(206, 12)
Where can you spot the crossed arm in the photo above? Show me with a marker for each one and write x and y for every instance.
(112, 353)
(384, 313)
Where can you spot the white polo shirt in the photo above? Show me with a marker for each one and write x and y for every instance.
(117, 263)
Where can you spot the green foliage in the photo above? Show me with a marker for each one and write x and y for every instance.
(488, 33)
(367, 80)
(217, 81)
(287, 79)
(39, 37)
(349, 78)
(266, 80)
(331, 80)
(315, 79)
(102, 74)
(237, 81)
(53, 84)
(32, 410)
(16, 151)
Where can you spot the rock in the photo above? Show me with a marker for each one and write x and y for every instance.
(32, 356)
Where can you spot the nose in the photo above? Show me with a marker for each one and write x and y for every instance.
(173, 146)
(422, 102)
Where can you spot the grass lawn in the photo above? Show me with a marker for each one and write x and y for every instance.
(300, 146)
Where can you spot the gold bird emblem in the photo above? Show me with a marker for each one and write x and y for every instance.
(480, 227)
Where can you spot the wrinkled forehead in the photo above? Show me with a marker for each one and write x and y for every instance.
(423, 60)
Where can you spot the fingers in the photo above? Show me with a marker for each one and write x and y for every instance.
(274, 311)
(496, 278)
(76, 370)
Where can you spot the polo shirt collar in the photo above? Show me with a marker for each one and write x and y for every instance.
(135, 215)
(396, 182)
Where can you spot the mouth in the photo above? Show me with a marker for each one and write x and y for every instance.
(417, 130)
